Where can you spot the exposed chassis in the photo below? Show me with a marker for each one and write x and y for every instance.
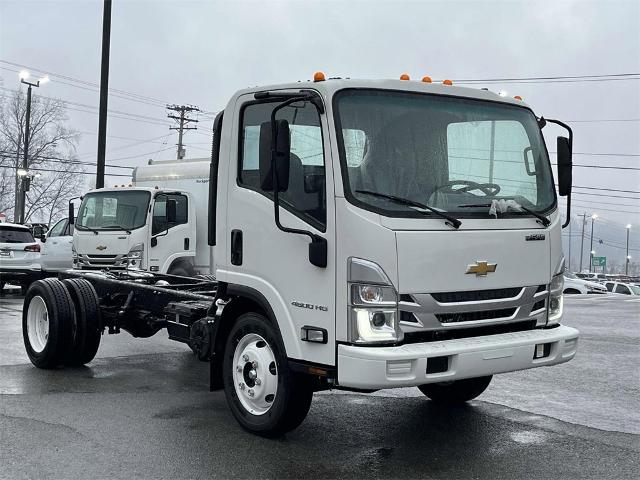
(143, 303)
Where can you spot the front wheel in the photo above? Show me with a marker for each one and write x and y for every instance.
(265, 397)
(456, 392)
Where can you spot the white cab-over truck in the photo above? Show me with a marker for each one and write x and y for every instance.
(364, 234)
(128, 227)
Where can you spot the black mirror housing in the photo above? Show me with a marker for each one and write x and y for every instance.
(274, 148)
(171, 210)
(71, 213)
(565, 166)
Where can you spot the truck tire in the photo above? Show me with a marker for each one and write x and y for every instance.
(456, 392)
(265, 397)
(47, 323)
(88, 322)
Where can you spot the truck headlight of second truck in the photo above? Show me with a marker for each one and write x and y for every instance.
(135, 257)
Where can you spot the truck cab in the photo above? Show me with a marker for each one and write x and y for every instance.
(140, 228)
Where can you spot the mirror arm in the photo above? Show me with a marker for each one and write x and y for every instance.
(543, 122)
(315, 239)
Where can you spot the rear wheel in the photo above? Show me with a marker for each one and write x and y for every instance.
(265, 397)
(456, 392)
(47, 323)
(88, 324)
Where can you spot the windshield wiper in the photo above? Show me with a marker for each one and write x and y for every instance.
(82, 227)
(452, 221)
(541, 218)
(116, 227)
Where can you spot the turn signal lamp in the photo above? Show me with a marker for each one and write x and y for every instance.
(319, 77)
(405, 76)
(518, 97)
(426, 79)
(447, 82)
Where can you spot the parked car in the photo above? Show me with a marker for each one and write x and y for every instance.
(19, 256)
(593, 277)
(574, 285)
(56, 248)
(623, 288)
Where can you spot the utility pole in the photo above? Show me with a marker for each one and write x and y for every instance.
(626, 266)
(593, 219)
(584, 220)
(183, 121)
(104, 93)
(23, 172)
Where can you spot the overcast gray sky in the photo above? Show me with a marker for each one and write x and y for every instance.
(200, 52)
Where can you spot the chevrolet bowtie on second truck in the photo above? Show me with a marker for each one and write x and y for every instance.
(363, 234)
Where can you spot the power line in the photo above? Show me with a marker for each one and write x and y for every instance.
(606, 189)
(62, 160)
(69, 171)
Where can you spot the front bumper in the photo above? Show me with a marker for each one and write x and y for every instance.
(406, 365)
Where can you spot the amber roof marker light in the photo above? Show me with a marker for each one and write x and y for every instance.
(447, 82)
(319, 77)
(405, 76)
(426, 79)
(518, 97)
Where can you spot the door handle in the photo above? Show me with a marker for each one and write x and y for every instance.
(236, 247)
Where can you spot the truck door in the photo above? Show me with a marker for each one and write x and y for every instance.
(266, 259)
(56, 251)
(173, 240)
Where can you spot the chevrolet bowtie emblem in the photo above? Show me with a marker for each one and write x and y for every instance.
(481, 268)
(101, 247)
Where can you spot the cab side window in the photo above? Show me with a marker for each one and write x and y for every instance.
(58, 229)
(159, 222)
(306, 193)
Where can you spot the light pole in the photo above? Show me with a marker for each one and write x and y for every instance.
(593, 219)
(24, 76)
(626, 267)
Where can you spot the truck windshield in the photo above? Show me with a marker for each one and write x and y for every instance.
(124, 210)
(453, 154)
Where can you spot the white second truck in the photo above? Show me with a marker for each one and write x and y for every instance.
(128, 228)
(363, 234)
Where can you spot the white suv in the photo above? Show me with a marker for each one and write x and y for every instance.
(19, 256)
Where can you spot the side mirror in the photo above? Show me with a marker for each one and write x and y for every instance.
(171, 212)
(274, 149)
(43, 238)
(565, 166)
(71, 213)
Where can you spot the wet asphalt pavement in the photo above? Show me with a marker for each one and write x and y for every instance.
(142, 410)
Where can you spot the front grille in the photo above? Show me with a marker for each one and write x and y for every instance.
(538, 306)
(436, 336)
(408, 317)
(99, 257)
(476, 295)
(472, 316)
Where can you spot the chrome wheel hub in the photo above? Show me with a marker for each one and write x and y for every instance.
(38, 324)
(255, 374)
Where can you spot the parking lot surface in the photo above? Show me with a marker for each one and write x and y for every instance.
(142, 409)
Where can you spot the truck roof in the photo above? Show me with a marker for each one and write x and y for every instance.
(328, 87)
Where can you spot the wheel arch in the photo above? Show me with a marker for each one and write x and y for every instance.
(186, 262)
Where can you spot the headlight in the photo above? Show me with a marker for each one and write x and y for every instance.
(135, 257)
(555, 299)
(373, 311)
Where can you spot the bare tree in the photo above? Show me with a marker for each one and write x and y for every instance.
(56, 175)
